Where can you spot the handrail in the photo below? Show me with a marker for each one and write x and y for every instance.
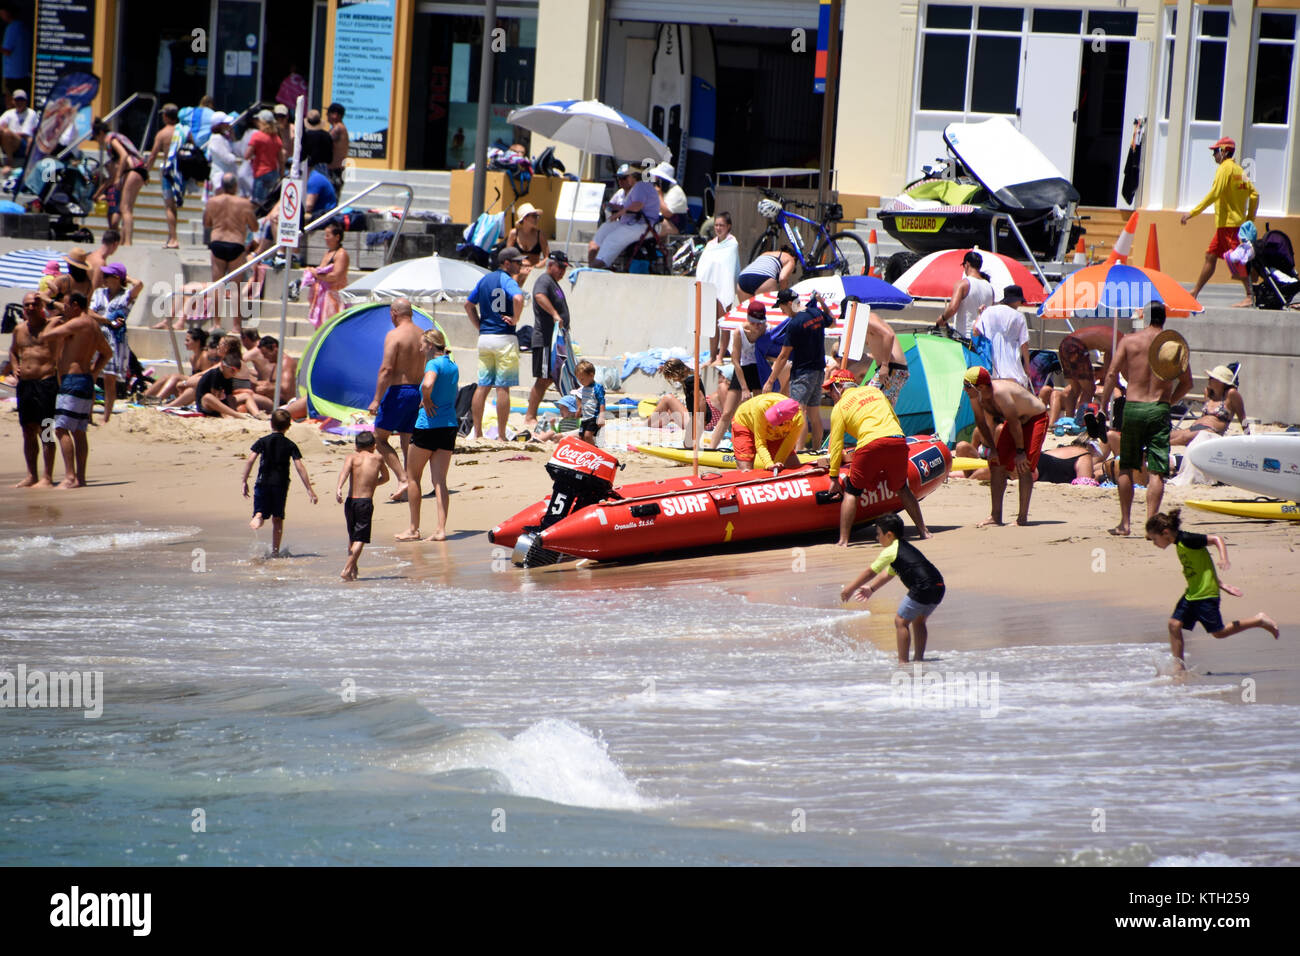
(315, 224)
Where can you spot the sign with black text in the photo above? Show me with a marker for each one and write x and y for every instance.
(64, 31)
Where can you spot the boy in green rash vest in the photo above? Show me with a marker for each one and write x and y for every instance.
(925, 587)
(1200, 602)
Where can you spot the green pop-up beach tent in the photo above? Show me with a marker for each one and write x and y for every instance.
(933, 400)
(339, 367)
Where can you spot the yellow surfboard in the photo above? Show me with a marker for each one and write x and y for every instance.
(1271, 510)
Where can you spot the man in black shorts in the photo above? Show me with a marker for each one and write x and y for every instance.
(549, 307)
(38, 389)
(229, 218)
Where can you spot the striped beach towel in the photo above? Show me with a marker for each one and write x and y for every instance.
(23, 268)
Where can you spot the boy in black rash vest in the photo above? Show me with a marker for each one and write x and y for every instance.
(925, 586)
(1200, 602)
(276, 451)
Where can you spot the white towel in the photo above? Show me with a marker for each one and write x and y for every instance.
(720, 264)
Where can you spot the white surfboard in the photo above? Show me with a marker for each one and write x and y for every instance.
(670, 91)
(1267, 464)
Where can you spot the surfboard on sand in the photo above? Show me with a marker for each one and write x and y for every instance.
(1271, 510)
(1266, 464)
(670, 92)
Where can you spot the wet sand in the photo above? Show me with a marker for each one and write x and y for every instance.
(1061, 580)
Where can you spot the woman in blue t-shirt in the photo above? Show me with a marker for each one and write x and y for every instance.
(435, 434)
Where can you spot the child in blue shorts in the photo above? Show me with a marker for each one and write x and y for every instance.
(1200, 602)
(925, 587)
(276, 451)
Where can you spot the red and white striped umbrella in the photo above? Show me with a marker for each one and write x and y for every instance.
(738, 316)
(934, 276)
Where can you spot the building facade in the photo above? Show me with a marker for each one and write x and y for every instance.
(1074, 76)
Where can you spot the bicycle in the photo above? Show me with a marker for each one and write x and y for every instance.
(685, 251)
(839, 253)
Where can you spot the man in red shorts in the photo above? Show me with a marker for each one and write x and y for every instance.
(1235, 202)
(1019, 440)
(880, 453)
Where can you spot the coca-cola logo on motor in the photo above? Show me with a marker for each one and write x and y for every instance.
(568, 455)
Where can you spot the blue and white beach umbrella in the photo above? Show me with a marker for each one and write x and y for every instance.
(592, 127)
(23, 268)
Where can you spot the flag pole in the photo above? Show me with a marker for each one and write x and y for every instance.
(697, 402)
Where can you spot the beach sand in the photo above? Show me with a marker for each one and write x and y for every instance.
(1061, 580)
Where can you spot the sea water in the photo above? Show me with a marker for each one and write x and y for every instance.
(256, 712)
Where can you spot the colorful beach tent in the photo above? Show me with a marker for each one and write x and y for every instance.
(339, 367)
(933, 400)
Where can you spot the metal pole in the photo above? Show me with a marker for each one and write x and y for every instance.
(848, 334)
(697, 400)
(484, 129)
(828, 105)
(295, 173)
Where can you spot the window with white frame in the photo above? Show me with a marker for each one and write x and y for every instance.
(1211, 45)
(1171, 31)
(1274, 55)
(970, 58)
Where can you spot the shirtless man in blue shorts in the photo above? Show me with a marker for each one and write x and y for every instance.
(397, 392)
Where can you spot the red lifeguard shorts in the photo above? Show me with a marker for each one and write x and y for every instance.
(1035, 430)
(1224, 241)
(883, 458)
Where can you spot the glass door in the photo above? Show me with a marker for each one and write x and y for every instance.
(235, 74)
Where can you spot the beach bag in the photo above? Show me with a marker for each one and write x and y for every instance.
(191, 163)
(525, 335)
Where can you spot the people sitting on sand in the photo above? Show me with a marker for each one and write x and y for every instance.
(1018, 440)
(201, 359)
(569, 422)
(1222, 401)
(1076, 365)
(215, 394)
(672, 410)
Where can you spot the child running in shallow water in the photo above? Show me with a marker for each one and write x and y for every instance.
(925, 587)
(1200, 602)
(362, 471)
(276, 451)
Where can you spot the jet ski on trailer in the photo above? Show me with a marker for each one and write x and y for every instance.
(992, 169)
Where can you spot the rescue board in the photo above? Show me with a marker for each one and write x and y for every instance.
(1266, 464)
(1271, 510)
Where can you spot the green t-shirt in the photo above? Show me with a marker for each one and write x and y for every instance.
(1198, 566)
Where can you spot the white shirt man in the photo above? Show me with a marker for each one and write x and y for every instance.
(1005, 327)
(17, 126)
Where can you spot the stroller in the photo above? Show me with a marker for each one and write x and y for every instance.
(66, 195)
(1274, 265)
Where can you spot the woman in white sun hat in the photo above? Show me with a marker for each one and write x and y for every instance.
(1222, 402)
(527, 236)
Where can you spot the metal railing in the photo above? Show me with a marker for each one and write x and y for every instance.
(315, 224)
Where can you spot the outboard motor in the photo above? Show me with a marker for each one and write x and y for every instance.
(583, 476)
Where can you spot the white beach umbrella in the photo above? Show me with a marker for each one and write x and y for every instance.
(431, 278)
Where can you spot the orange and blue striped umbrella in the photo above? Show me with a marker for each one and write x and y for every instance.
(1114, 290)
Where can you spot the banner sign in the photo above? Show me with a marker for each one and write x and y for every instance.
(823, 49)
(64, 30)
(70, 94)
(363, 73)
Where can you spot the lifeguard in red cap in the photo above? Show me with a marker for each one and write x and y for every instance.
(880, 454)
(1235, 201)
(764, 432)
(1019, 442)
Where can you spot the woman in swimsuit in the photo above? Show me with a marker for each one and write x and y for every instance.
(328, 278)
(679, 411)
(1222, 402)
(770, 272)
(528, 238)
(132, 172)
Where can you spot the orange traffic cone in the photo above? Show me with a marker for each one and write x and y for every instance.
(873, 250)
(1080, 253)
(1124, 244)
(1153, 249)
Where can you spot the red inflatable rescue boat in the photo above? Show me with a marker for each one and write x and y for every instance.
(587, 517)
